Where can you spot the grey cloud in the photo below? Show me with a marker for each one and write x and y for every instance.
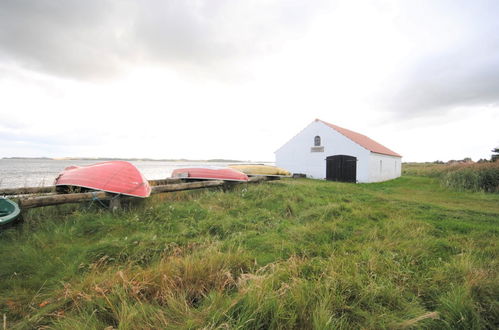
(441, 82)
(99, 38)
(464, 75)
(67, 38)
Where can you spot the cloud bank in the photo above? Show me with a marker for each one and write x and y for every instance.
(454, 60)
(96, 39)
(135, 65)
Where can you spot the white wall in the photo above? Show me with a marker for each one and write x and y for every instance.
(296, 155)
(384, 167)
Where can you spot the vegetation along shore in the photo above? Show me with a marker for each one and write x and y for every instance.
(415, 252)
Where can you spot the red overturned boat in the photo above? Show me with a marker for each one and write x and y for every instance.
(209, 173)
(118, 177)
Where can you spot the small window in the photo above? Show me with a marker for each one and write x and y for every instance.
(317, 141)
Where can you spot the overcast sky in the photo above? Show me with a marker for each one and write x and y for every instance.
(237, 79)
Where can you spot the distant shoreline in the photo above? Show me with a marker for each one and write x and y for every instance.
(142, 159)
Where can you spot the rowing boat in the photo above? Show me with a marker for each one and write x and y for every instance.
(209, 173)
(9, 211)
(118, 177)
(263, 170)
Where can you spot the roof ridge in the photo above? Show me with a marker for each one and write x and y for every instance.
(362, 140)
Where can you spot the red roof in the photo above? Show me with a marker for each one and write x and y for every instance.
(362, 140)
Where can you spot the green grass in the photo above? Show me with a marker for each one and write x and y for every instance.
(299, 254)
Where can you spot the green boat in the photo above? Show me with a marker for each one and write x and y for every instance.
(9, 211)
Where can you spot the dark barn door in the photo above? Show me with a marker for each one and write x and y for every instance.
(341, 168)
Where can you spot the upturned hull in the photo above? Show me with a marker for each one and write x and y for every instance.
(9, 211)
(264, 170)
(118, 177)
(203, 173)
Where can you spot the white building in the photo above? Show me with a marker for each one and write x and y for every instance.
(326, 151)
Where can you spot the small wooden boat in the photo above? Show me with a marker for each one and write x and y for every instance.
(118, 177)
(211, 173)
(9, 211)
(261, 170)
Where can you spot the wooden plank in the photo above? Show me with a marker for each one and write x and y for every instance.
(186, 186)
(27, 202)
(162, 182)
(26, 190)
(51, 189)
(152, 183)
(38, 201)
(258, 178)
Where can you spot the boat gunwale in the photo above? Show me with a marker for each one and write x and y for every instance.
(109, 191)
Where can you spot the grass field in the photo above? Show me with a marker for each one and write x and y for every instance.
(290, 254)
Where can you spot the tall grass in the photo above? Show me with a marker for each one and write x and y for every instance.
(476, 177)
(291, 254)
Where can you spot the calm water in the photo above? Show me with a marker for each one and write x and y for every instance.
(42, 172)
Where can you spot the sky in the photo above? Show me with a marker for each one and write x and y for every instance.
(237, 79)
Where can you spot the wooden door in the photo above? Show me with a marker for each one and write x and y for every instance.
(341, 168)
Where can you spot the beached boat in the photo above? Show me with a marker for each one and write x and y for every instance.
(260, 169)
(212, 173)
(118, 177)
(9, 211)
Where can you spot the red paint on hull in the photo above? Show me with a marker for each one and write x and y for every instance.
(227, 174)
(115, 176)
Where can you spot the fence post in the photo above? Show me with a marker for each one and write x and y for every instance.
(115, 203)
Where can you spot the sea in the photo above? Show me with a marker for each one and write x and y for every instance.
(16, 173)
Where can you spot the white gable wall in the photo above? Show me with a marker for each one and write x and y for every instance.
(296, 155)
(384, 167)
